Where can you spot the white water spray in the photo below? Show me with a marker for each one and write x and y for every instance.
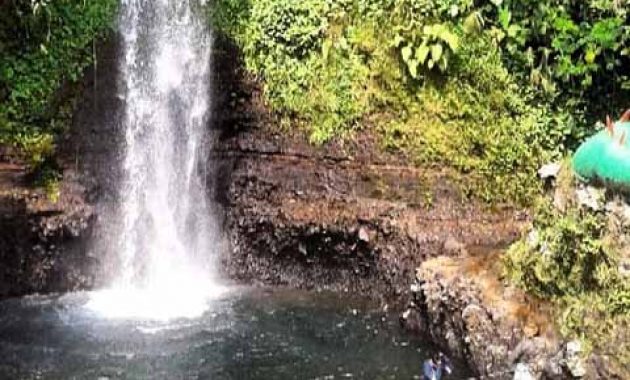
(167, 231)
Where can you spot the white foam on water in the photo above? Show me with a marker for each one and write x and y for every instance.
(156, 303)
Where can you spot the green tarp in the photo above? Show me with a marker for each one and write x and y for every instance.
(605, 157)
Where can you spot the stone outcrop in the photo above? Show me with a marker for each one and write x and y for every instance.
(346, 216)
(463, 307)
(40, 245)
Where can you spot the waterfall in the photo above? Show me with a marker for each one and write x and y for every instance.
(167, 234)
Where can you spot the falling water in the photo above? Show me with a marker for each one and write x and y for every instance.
(167, 233)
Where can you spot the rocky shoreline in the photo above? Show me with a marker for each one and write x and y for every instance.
(460, 304)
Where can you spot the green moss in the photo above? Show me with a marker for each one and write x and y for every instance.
(480, 122)
(572, 259)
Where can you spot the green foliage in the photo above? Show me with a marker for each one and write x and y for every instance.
(480, 122)
(45, 46)
(309, 73)
(572, 258)
(412, 11)
(577, 52)
(588, 317)
(230, 16)
(448, 82)
(37, 148)
(433, 48)
(568, 257)
(280, 30)
(48, 176)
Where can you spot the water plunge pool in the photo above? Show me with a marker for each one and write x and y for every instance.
(248, 334)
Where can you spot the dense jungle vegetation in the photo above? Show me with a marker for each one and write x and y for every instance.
(45, 45)
(492, 89)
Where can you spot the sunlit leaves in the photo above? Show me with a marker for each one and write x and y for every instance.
(431, 49)
(577, 46)
(474, 23)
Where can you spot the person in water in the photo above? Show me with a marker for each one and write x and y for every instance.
(435, 367)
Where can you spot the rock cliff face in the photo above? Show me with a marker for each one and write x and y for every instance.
(305, 219)
(343, 216)
(39, 246)
(347, 217)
